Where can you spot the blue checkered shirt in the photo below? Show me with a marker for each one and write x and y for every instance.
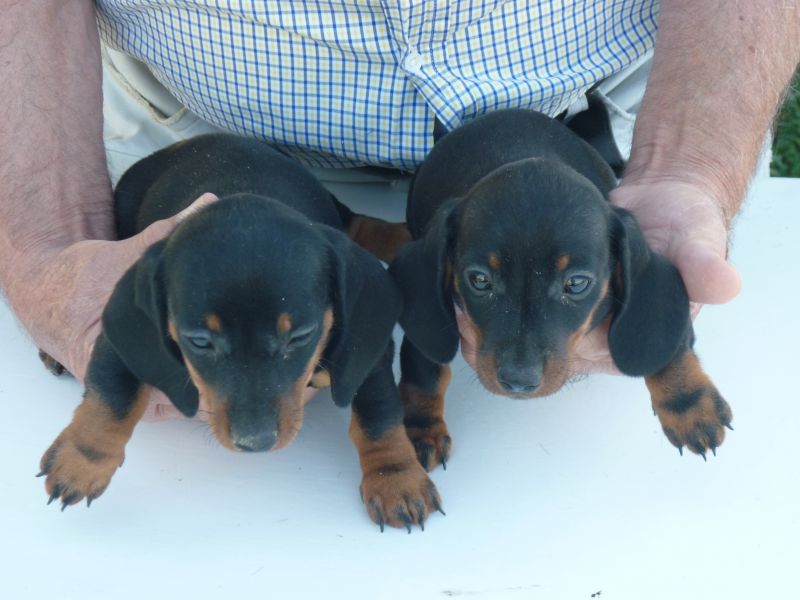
(362, 82)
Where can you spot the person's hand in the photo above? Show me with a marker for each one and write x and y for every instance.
(72, 287)
(686, 225)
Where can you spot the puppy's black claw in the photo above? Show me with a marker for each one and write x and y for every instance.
(420, 514)
(714, 450)
(437, 506)
(41, 473)
(56, 493)
(89, 502)
(729, 426)
(68, 500)
(680, 450)
(381, 520)
(405, 518)
(424, 454)
(444, 463)
(703, 454)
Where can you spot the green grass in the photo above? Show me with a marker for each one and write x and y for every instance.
(786, 148)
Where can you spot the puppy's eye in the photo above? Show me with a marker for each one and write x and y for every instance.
(576, 285)
(301, 336)
(200, 341)
(480, 281)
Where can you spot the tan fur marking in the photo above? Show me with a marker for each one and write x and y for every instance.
(432, 441)
(218, 418)
(586, 326)
(393, 480)
(417, 402)
(213, 323)
(284, 322)
(173, 330)
(291, 410)
(562, 262)
(379, 237)
(321, 379)
(494, 261)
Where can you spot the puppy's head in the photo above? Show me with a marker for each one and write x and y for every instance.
(251, 297)
(535, 257)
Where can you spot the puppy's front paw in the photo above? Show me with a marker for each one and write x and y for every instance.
(695, 419)
(76, 468)
(399, 495)
(691, 410)
(424, 421)
(431, 440)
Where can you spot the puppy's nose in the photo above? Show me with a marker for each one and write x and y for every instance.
(519, 380)
(257, 442)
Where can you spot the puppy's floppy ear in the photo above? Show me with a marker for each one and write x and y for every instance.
(135, 324)
(148, 291)
(421, 272)
(366, 306)
(651, 322)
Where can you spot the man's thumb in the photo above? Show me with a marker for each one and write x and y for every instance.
(709, 278)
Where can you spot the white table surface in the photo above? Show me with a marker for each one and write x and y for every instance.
(562, 497)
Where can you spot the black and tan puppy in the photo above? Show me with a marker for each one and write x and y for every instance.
(247, 302)
(512, 228)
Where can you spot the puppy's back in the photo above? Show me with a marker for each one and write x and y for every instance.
(468, 153)
(169, 180)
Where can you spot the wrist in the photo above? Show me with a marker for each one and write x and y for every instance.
(20, 271)
(663, 162)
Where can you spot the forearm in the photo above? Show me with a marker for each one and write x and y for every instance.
(53, 174)
(719, 73)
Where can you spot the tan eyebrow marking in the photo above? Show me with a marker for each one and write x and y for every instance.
(213, 323)
(494, 261)
(284, 322)
(562, 262)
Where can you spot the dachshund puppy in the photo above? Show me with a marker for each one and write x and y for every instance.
(248, 302)
(513, 230)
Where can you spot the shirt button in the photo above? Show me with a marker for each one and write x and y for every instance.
(413, 62)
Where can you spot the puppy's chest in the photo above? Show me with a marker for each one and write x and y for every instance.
(320, 378)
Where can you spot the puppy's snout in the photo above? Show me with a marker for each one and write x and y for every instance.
(519, 380)
(256, 442)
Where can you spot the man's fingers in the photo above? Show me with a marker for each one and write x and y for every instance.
(709, 278)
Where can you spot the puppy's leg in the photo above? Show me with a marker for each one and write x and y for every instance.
(83, 458)
(691, 410)
(422, 387)
(395, 488)
(378, 237)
